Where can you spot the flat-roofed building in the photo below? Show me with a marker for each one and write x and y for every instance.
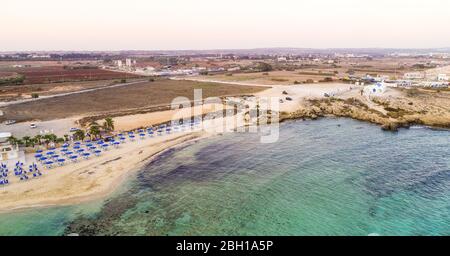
(7, 150)
(413, 75)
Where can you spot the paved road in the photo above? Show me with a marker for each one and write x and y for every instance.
(58, 127)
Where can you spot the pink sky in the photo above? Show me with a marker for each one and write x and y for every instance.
(201, 24)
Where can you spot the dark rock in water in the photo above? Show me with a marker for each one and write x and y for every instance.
(285, 93)
(393, 127)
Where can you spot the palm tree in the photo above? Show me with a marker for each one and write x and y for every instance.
(26, 140)
(79, 135)
(38, 138)
(93, 123)
(13, 140)
(108, 125)
(94, 130)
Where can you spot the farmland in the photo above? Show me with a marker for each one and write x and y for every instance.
(116, 99)
(58, 74)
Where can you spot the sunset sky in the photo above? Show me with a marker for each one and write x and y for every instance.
(231, 24)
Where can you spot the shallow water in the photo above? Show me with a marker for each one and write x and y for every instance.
(324, 177)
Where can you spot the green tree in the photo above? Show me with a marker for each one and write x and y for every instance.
(79, 135)
(108, 124)
(26, 140)
(95, 131)
(38, 139)
(264, 67)
(13, 140)
(49, 138)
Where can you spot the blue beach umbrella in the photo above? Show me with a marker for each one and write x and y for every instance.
(38, 155)
(61, 161)
(74, 158)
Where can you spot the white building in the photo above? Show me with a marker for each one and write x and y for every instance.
(375, 89)
(413, 75)
(119, 63)
(7, 151)
(128, 62)
(234, 69)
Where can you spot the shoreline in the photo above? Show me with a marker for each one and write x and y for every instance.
(119, 180)
(179, 142)
(115, 186)
(74, 184)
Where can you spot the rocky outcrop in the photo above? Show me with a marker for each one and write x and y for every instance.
(394, 118)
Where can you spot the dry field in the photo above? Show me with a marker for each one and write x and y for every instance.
(114, 99)
(57, 74)
(17, 92)
(274, 77)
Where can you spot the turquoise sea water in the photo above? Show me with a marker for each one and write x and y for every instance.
(323, 177)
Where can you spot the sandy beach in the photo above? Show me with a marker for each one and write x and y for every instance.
(87, 180)
(97, 177)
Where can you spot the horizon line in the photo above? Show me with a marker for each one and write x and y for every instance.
(237, 49)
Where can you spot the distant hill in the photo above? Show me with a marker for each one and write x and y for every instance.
(255, 51)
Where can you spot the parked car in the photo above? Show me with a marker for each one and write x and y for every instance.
(33, 126)
(10, 122)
